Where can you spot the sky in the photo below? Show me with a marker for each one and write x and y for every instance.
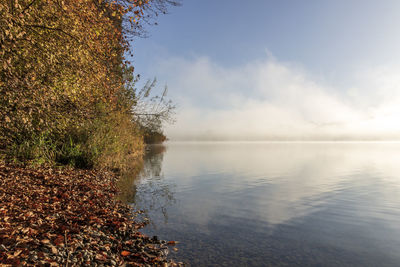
(278, 69)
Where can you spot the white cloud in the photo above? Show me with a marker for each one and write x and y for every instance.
(269, 99)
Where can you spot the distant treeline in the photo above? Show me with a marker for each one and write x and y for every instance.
(67, 93)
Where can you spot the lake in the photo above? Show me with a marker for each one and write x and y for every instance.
(274, 203)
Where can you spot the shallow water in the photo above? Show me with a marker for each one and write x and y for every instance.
(261, 204)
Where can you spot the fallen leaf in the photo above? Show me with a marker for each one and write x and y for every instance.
(54, 250)
(59, 240)
(125, 253)
(100, 257)
(16, 253)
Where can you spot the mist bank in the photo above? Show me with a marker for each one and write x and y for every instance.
(268, 99)
(286, 138)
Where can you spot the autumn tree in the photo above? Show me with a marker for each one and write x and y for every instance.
(62, 75)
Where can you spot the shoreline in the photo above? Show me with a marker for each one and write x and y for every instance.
(71, 217)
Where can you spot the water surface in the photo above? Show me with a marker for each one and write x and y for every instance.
(278, 204)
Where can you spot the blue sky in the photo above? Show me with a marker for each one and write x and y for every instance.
(273, 67)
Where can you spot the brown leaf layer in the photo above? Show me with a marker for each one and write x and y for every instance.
(51, 217)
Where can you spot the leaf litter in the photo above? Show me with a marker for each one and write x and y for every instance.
(70, 217)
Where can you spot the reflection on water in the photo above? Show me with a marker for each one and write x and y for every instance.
(260, 204)
(145, 186)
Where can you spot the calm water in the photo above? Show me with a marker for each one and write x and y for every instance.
(278, 204)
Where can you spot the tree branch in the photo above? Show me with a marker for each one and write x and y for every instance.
(51, 29)
(28, 6)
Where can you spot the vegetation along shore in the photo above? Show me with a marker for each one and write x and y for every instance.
(71, 118)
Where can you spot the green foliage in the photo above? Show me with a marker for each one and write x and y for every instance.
(74, 153)
(111, 141)
(38, 148)
(115, 141)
